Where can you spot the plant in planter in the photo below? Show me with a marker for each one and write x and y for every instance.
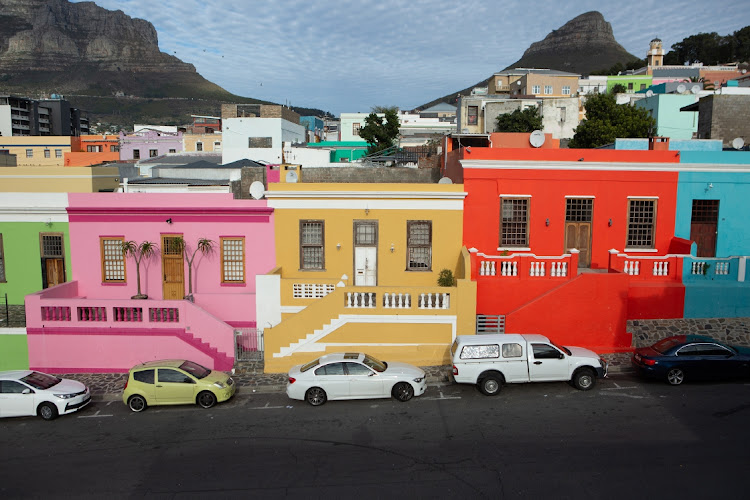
(445, 278)
(706, 266)
(138, 251)
(204, 246)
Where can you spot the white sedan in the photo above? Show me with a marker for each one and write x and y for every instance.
(354, 376)
(28, 393)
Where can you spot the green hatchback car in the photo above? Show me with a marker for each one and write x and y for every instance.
(175, 382)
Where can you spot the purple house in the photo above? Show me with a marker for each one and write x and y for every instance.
(149, 143)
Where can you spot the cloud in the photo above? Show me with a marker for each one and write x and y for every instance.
(350, 55)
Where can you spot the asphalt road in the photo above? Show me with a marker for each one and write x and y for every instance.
(625, 438)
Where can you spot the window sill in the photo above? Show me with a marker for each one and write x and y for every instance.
(108, 283)
(514, 249)
(641, 250)
(312, 270)
(418, 270)
(234, 284)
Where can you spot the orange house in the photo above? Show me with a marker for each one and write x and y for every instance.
(88, 150)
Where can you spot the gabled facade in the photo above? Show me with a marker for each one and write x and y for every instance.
(92, 323)
(357, 269)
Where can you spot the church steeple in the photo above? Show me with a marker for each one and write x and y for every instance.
(655, 55)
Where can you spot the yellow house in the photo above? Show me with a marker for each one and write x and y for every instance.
(202, 142)
(37, 151)
(58, 179)
(357, 270)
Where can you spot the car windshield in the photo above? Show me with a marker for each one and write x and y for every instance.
(666, 344)
(561, 347)
(39, 380)
(375, 364)
(195, 369)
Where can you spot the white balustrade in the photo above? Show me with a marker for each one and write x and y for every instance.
(722, 268)
(434, 301)
(558, 269)
(661, 268)
(396, 300)
(536, 269)
(360, 299)
(632, 267)
(487, 268)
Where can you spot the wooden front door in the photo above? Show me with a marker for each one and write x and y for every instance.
(704, 225)
(578, 216)
(173, 268)
(52, 251)
(365, 253)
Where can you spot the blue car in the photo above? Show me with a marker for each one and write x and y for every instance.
(691, 357)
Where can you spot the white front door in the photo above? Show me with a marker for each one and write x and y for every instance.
(365, 266)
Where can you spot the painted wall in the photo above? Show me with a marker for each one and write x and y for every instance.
(142, 217)
(14, 350)
(238, 131)
(58, 179)
(711, 301)
(732, 189)
(145, 141)
(547, 189)
(208, 142)
(23, 216)
(45, 151)
(346, 126)
(684, 146)
(670, 121)
(343, 151)
(631, 82)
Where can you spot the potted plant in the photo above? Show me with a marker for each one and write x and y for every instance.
(204, 246)
(138, 251)
(445, 278)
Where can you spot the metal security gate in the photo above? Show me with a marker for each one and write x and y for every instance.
(490, 324)
(248, 344)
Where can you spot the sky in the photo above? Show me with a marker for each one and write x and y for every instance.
(351, 55)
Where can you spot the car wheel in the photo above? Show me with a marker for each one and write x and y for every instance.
(490, 385)
(584, 379)
(47, 411)
(675, 376)
(316, 396)
(206, 399)
(403, 391)
(137, 403)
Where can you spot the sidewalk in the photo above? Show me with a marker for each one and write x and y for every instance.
(109, 386)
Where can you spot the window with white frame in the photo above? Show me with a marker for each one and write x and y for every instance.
(217, 146)
(113, 260)
(514, 222)
(47, 153)
(312, 244)
(199, 146)
(58, 153)
(536, 89)
(566, 90)
(548, 89)
(153, 153)
(641, 223)
(419, 245)
(355, 128)
(233, 260)
(29, 153)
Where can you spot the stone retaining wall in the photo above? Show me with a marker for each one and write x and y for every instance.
(729, 330)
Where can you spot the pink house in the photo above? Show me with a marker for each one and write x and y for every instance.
(92, 324)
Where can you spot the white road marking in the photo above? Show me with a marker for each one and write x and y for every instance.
(618, 388)
(267, 407)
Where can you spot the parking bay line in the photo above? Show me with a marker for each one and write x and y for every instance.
(442, 396)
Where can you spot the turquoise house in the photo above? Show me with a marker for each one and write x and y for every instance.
(670, 121)
(343, 151)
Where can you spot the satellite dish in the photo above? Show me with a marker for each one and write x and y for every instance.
(695, 89)
(256, 190)
(536, 138)
(738, 143)
(649, 93)
(291, 176)
(681, 88)
(446, 180)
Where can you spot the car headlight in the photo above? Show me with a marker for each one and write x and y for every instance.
(64, 396)
(419, 380)
(220, 385)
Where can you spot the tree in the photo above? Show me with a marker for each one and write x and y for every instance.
(138, 251)
(606, 121)
(619, 88)
(526, 120)
(380, 133)
(204, 246)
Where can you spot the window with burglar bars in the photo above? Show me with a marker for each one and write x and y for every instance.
(311, 242)
(232, 260)
(705, 211)
(365, 233)
(113, 260)
(419, 243)
(579, 210)
(52, 245)
(641, 223)
(514, 222)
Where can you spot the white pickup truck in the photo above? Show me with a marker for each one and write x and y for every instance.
(489, 361)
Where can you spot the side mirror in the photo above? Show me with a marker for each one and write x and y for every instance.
(560, 355)
(372, 374)
(26, 391)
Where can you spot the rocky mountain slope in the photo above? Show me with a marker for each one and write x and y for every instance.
(582, 45)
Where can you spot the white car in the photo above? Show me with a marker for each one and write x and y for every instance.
(354, 376)
(28, 393)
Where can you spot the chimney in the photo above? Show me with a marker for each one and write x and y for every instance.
(658, 143)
